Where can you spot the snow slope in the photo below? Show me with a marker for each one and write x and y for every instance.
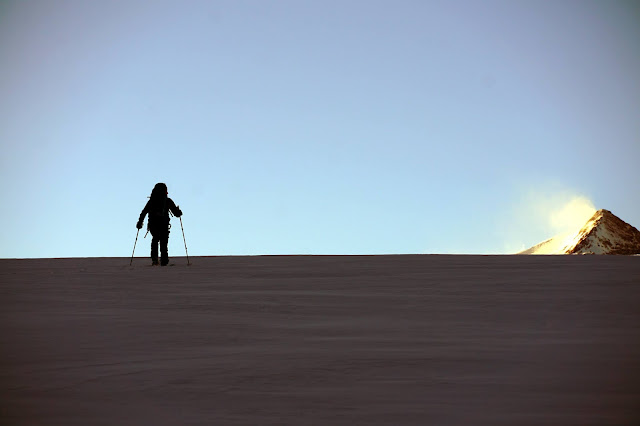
(604, 233)
(321, 340)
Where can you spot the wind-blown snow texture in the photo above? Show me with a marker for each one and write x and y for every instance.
(371, 340)
(604, 233)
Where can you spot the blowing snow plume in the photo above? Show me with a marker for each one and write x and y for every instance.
(572, 216)
(543, 214)
(561, 216)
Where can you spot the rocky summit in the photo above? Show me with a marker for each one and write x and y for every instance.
(603, 233)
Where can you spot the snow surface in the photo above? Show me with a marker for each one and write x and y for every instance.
(339, 340)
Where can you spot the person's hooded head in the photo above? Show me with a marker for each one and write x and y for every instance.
(160, 190)
(159, 194)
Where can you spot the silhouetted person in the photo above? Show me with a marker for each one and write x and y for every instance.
(158, 208)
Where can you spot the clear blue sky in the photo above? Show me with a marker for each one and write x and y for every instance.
(317, 127)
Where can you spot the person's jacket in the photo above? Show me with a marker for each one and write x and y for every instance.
(159, 213)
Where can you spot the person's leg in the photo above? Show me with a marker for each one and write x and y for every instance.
(164, 248)
(154, 249)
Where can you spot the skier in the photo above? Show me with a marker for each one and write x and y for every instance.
(158, 207)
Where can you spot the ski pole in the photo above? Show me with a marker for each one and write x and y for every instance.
(185, 241)
(134, 247)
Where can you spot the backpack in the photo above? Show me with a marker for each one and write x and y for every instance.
(158, 208)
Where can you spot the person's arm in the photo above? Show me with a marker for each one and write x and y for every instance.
(142, 215)
(173, 208)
